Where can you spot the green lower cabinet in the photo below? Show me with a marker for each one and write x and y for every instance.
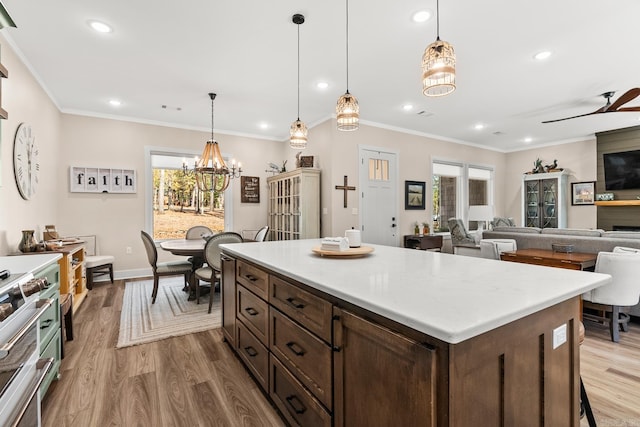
(49, 324)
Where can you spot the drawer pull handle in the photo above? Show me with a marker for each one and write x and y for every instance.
(295, 303)
(45, 324)
(295, 348)
(296, 404)
(251, 351)
(566, 261)
(252, 311)
(537, 258)
(251, 277)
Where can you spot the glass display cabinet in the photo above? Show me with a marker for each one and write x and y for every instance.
(545, 200)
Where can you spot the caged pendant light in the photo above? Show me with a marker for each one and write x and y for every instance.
(438, 65)
(298, 139)
(212, 173)
(347, 109)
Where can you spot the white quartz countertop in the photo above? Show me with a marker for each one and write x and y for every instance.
(449, 297)
(27, 263)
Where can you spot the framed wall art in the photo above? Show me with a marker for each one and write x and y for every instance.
(414, 195)
(583, 193)
(250, 192)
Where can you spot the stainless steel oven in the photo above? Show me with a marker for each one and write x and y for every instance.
(21, 370)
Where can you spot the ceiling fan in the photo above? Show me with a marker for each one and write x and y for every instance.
(609, 107)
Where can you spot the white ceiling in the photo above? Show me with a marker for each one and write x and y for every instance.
(174, 53)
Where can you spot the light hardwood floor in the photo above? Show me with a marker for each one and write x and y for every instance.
(195, 380)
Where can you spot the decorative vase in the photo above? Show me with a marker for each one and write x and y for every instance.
(416, 230)
(28, 242)
(425, 229)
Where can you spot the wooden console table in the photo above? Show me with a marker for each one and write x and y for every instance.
(423, 241)
(549, 258)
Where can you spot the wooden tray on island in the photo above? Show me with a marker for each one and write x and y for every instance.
(349, 253)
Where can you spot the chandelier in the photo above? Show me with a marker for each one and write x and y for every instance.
(212, 173)
(347, 109)
(298, 130)
(438, 65)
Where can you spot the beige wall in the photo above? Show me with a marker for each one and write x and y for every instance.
(578, 157)
(25, 101)
(338, 153)
(70, 140)
(117, 219)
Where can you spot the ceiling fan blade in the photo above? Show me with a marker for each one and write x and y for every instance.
(629, 109)
(574, 117)
(624, 98)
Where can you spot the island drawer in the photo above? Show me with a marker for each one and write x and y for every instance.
(253, 278)
(254, 313)
(311, 311)
(307, 356)
(254, 354)
(297, 405)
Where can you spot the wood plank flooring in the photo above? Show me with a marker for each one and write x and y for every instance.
(195, 380)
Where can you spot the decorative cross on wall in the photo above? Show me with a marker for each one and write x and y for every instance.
(345, 188)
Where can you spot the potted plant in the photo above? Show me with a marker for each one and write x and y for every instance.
(425, 228)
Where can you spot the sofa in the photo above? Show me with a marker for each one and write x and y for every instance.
(590, 241)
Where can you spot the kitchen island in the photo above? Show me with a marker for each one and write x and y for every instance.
(404, 337)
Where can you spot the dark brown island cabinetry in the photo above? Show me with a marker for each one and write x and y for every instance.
(323, 361)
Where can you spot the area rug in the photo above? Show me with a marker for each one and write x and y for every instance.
(171, 316)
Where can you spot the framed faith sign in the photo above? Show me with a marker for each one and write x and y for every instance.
(102, 180)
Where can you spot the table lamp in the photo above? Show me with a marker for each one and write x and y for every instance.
(482, 214)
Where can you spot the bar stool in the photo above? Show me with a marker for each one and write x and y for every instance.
(585, 406)
(66, 327)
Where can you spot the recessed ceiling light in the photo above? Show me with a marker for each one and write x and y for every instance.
(100, 27)
(115, 103)
(407, 107)
(479, 126)
(528, 140)
(322, 85)
(542, 55)
(421, 16)
(263, 125)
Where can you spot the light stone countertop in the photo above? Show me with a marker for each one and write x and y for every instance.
(27, 263)
(449, 297)
(21, 264)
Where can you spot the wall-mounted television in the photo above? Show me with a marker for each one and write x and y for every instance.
(622, 170)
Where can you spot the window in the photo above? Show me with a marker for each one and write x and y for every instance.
(455, 187)
(174, 202)
(479, 189)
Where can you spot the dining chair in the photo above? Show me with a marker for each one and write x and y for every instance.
(610, 300)
(262, 234)
(197, 231)
(211, 273)
(171, 268)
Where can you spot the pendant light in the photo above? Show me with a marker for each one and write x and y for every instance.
(298, 139)
(347, 109)
(438, 65)
(212, 173)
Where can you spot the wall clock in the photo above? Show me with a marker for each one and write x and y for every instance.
(26, 168)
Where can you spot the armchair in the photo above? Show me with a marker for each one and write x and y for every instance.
(461, 241)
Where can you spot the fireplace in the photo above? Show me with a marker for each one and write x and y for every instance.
(626, 228)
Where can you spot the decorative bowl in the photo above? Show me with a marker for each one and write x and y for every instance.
(562, 247)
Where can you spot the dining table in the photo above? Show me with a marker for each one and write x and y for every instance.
(193, 248)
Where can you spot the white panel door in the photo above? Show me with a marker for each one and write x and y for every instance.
(378, 207)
